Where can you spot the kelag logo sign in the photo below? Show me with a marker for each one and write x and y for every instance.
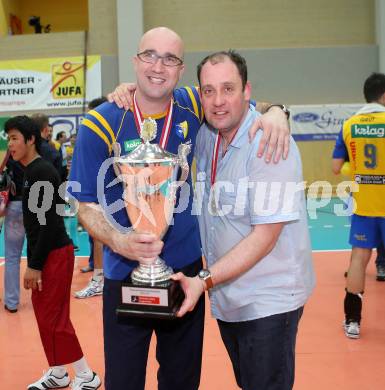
(368, 131)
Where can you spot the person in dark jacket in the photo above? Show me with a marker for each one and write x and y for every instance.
(50, 257)
(47, 151)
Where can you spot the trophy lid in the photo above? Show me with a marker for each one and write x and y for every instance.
(147, 154)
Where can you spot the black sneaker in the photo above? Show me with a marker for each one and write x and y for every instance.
(86, 269)
(380, 273)
(10, 310)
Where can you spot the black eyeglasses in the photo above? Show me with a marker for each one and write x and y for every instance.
(151, 58)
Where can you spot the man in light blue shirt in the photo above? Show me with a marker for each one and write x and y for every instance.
(253, 227)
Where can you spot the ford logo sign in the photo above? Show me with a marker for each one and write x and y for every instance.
(305, 117)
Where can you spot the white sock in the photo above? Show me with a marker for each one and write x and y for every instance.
(58, 371)
(98, 274)
(82, 369)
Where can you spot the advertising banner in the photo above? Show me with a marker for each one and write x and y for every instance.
(47, 83)
(319, 122)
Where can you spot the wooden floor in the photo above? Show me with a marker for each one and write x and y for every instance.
(326, 359)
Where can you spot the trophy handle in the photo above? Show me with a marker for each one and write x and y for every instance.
(182, 163)
(117, 151)
(183, 151)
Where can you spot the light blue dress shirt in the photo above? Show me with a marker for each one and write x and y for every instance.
(248, 192)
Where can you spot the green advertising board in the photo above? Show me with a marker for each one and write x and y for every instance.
(3, 136)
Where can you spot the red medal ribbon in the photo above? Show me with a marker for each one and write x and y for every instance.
(214, 160)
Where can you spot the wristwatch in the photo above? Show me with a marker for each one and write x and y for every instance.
(205, 275)
(282, 107)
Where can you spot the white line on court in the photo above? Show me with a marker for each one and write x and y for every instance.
(2, 262)
(330, 250)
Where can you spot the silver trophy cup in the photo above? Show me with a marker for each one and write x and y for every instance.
(150, 179)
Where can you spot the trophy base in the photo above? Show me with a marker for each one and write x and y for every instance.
(160, 301)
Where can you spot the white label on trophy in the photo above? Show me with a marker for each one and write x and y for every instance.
(144, 296)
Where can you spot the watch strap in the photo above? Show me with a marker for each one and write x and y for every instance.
(282, 107)
(206, 278)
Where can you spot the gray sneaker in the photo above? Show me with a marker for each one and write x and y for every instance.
(352, 329)
(92, 289)
(380, 273)
(86, 384)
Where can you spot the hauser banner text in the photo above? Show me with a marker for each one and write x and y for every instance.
(48, 83)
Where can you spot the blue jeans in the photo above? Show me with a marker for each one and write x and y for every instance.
(14, 239)
(262, 351)
(127, 340)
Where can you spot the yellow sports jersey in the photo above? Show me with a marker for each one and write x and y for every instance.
(364, 137)
(55, 144)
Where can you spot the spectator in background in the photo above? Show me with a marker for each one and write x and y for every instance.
(14, 232)
(50, 140)
(70, 150)
(61, 139)
(96, 102)
(48, 152)
(14, 235)
(95, 261)
(50, 259)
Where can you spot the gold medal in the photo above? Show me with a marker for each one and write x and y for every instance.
(148, 130)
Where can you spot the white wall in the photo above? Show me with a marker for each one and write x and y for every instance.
(303, 75)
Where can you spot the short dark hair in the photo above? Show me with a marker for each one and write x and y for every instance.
(374, 87)
(59, 135)
(97, 102)
(26, 126)
(220, 56)
(41, 120)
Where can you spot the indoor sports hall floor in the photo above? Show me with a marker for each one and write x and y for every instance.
(326, 359)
